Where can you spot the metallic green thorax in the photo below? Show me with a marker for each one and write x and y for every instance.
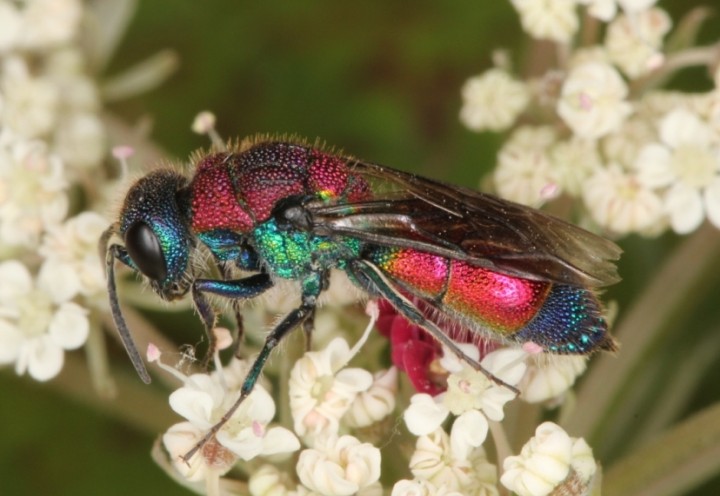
(293, 254)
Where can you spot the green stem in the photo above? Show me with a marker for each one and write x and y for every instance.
(674, 463)
(502, 446)
(142, 407)
(97, 359)
(638, 329)
(590, 30)
(696, 56)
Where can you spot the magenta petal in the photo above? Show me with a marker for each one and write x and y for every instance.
(416, 359)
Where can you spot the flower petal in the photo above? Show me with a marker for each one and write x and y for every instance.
(279, 440)
(653, 164)
(69, 327)
(196, 406)
(16, 281)
(44, 358)
(424, 415)
(60, 281)
(469, 431)
(507, 364)
(684, 205)
(681, 127)
(245, 443)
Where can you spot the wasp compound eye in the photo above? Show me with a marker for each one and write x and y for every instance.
(144, 249)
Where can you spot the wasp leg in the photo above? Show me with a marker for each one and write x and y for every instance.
(370, 276)
(239, 289)
(239, 327)
(290, 322)
(308, 327)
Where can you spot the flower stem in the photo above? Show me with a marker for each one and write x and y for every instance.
(97, 358)
(698, 56)
(502, 445)
(137, 405)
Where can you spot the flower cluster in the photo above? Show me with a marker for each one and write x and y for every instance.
(328, 400)
(596, 127)
(52, 141)
(551, 461)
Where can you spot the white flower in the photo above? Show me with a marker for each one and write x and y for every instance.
(31, 104)
(203, 400)
(10, 26)
(66, 68)
(547, 461)
(37, 322)
(492, 101)
(592, 101)
(549, 376)
(687, 163)
(605, 10)
(322, 389)
(421, 488)
(585, 55)
(376, 403)
(633, 6)
(617, 201)
(601, 9)
(80, 140)
(634, 42)
(572, 162)
(339, 466)
(436, 462)
(523, 173)
(472, 390)
(472, 397)
(657, 103)
(554, 20)
(623, 145)
(32, 191)
(269, 481)
(72, 249)
(49, 23)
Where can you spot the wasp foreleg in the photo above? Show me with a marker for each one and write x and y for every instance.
(290, 322)
(239, 289)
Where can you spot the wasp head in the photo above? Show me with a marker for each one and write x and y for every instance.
(157, 242)
(154, 228)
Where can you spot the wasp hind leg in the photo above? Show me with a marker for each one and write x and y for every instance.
(370, 276)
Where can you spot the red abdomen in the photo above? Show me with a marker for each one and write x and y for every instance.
(560, 318)
(503, 303)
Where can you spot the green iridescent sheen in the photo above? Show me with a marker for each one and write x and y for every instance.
(292, 254)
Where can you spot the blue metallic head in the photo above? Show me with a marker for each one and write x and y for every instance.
(154, 228)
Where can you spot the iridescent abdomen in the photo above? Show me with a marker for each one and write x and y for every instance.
(560, 318)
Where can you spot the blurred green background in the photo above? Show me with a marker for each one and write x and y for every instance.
(381, 80)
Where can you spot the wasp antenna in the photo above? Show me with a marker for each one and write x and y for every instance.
(105, 240)
(127, 340)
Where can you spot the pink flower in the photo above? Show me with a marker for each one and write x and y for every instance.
(416, 352)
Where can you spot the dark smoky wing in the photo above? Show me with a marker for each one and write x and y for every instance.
(410, 211)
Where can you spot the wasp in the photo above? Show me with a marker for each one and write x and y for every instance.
(283, 209)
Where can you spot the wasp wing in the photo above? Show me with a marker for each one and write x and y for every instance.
(410, 211)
